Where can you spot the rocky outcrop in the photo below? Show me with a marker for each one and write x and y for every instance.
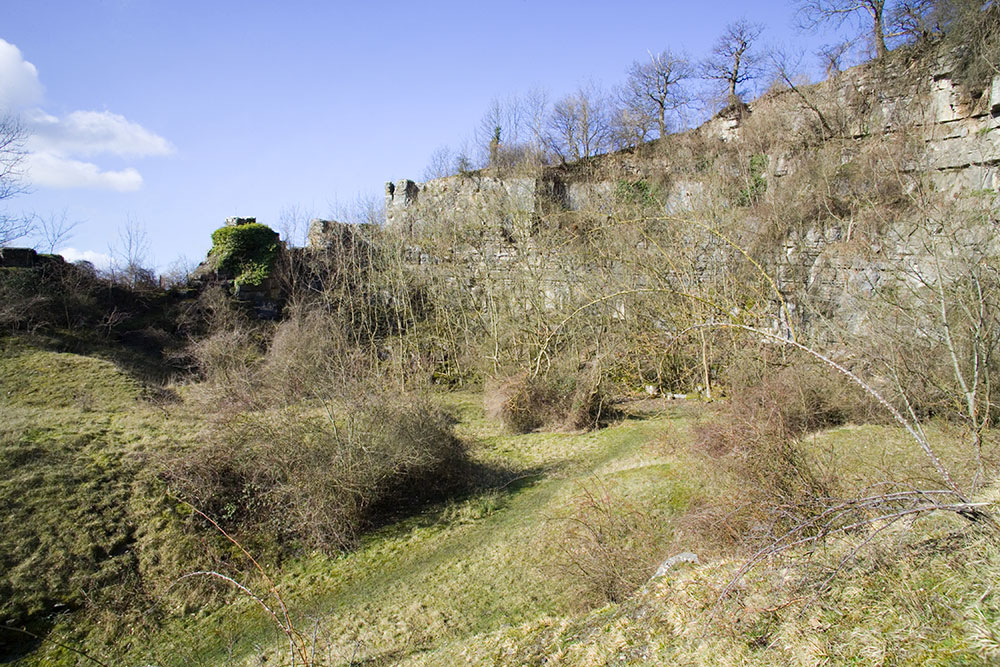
(26, 258)
(951, 136)
(332, 236)
(469, 196)
(961, 134)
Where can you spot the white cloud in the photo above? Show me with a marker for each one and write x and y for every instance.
(19, 84)
(61, 149)
(99, 259)
(88, 133)
(57, 171)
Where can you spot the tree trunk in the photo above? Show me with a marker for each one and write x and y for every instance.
(878, 34)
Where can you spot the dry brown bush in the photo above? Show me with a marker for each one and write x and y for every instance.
(524, 403)
(310, 356)
(225, 348)
(755, 438)
(611, 545)
(521, 403)
(807, 394)
(315, 482)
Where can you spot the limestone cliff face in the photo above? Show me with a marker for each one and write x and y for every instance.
(878, 131)
(961, 136)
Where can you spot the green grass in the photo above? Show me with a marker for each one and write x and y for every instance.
(32, 378)
(482, 579)
(73, 434)
(459, 569)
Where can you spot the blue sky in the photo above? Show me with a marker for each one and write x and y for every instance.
(175, 115)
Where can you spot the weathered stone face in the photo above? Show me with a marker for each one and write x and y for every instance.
(953, 139)
(322, 232)
(410, 205)
(995, 99)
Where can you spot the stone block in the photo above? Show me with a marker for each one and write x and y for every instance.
(22, 258)
(944, 101)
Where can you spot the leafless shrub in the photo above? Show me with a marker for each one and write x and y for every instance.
(226, 348)
(311, 356)
(756, 438)
(521, 403)
(316, 481)
(524, 403)
(611, 545)
(973, 32)
(588, 404)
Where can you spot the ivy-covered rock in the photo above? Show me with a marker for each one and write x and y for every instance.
(247, 252)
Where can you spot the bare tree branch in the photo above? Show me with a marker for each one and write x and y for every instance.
(655, 88)
(13, 136)
(733, 60)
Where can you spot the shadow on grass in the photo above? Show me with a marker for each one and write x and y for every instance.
(477, 480)
(18, 643)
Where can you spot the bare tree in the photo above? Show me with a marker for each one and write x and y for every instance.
(783, 66)
(886, 19)
(832, 57)
(733, 60)
(579, 125)
(813, 13)
(13, 136)
(629, 127)
(511, 132)
(178, 273)
(536, 108)
(130, 254)
(917, 20)
(293, 224)
(464, 162)
(364, 209)
(54, 231)
(503, 123)
(441, 163)
(655, 88)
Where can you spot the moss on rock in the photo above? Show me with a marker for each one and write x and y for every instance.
(247, 252)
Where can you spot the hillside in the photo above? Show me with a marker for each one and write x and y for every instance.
(508, 575)
(724, 398)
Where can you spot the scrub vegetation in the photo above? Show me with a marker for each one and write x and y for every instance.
(737, 407)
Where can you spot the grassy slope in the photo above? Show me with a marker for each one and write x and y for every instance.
(63, 480)
(484, 579)
(73, 433)
(458, 570)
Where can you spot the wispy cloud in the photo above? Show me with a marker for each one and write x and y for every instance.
(52, 170)
(89, 133)
(61, 150)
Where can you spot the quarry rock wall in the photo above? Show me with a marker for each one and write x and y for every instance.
(954, 137)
